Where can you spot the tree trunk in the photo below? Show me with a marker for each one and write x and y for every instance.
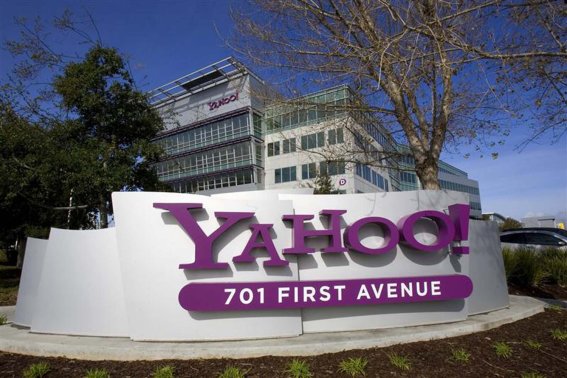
(21, 248)
(103, 213)
(427, 170)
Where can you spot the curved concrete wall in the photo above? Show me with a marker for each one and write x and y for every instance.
(126, 281)
(29, 281)
(80, 290)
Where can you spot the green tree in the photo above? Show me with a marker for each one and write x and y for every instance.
(34, 174)
(113, 122)
(322, 184)
(66, 146)
(509, 224)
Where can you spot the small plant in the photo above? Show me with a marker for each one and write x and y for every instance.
(532, 374)
(164, 372)
(299, 369)
(559, 334)
(502, 349)
(353, 366)
(460, 355)
(533, 344)
(3, 319)
(555, 307)
(232, 372)
(36, 370)
(97, 373)
(401, 362)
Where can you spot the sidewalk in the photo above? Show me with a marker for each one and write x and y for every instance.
(15, 339)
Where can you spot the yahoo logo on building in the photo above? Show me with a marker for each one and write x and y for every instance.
(217, 104)
(452, 227)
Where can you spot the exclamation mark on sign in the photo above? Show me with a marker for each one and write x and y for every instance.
(460, 217)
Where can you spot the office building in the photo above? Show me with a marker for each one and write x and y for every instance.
(224, 132)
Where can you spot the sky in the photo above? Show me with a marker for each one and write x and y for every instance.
(166, 39)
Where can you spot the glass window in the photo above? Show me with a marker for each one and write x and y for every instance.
(513, 238)
(340, 136)
(286, 120)
(542, 239)
(311, 141)
(312, 114)
(332, 137)
(288, 146)
(323, 168)
(302, 115)
(320, 139)
(292, 145)
(304, 142)
(308, 171)
(285, 174)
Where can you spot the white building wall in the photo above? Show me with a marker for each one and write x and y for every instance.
(468, 182)
(191, 108)
(348, 182)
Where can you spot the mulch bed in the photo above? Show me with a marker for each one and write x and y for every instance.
(427, 359)
(541, 291)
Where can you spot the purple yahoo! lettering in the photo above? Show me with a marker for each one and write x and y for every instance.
(203, 243)
(300, 233)
(459, 215)
(262, 230)
(217, 104)
(391, 235)
(444, 224)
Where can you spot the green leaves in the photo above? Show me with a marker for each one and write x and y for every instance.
(99, 144)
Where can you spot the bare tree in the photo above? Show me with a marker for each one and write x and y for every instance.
(438, 71)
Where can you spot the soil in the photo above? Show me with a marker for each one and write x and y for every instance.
(427, 359)
(541, 291)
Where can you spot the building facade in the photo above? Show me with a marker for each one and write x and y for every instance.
(213, 136)
(221, 136)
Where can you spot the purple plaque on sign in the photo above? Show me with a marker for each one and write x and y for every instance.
(233, 296)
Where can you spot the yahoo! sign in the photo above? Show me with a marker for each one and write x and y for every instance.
(452, 231)
(223, 101)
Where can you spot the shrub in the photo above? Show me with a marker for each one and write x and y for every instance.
(532, 374)
(232, 372)
(36, 370)
(164, 372)
(3, 319)
(529, 267)
(401, 362)
(97, 373)
(524, 266)
(556, 269)
(559, 334)
(502, 349)
(533, 344)
(299, 369)
(510, 262)
(353, 366)
(460, 355)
